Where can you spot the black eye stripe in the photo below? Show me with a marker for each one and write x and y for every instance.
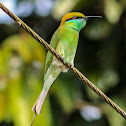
(74, 17)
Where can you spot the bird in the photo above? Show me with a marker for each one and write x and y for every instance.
(64, 41)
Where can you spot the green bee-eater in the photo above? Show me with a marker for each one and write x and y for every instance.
(64, 41)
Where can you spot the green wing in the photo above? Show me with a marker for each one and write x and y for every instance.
(54, 41)
(68, 39)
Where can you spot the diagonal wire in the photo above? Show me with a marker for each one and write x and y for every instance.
(73, 69)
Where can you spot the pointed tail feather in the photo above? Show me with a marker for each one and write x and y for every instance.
(51, 75)
(37, 108)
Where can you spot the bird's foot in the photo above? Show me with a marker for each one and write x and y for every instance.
(62, 59)
(71, 65)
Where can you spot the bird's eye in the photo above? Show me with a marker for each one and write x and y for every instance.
(74, 17)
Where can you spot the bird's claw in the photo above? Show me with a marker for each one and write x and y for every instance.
(71, 65)
(62, 59)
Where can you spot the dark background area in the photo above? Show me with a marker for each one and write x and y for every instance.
(101, 57)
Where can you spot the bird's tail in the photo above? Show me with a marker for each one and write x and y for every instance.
(37, 107)
(51, 75)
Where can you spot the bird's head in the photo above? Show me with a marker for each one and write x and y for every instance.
(71, 16)
(75, 20)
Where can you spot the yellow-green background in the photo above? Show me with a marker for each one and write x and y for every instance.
(101, 56)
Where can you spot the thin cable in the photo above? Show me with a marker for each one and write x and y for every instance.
(73, 69)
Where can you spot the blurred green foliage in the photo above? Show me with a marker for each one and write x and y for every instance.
(101, 56)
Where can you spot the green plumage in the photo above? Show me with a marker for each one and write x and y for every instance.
(64, 41)
(65, 44)
(67, 39)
